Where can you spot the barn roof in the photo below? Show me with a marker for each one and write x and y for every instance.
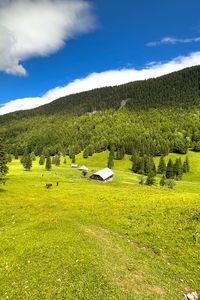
(104, 173)
(83, 168)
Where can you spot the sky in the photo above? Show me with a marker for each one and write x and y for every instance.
(53, 48)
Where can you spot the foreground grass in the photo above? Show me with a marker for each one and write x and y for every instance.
(89, 240)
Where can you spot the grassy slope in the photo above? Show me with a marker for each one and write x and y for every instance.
(89, 240)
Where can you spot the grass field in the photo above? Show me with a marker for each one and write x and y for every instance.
(90, 240)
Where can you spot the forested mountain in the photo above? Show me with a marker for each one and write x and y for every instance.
(159, 116)
(180, 89)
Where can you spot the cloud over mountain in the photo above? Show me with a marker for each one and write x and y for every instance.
(107, 78)
(30, 28)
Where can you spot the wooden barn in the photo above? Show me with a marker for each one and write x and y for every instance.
(103, 175)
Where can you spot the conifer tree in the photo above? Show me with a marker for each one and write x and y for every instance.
(140, 166)
(42, 160)
(186, 165)
(73, 157)
(150, 179)
(162, 166)
(86, 153)
(27, 162)
(120, 153)
(3, 162)
(170, 169)
(33, 157)
(111, 160)
(90, 150)
(16, 156)
(48, 163)
(53, 160)
(135, 162)
(57, 160)
(178, 169)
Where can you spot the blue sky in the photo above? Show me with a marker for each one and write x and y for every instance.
(117, 38)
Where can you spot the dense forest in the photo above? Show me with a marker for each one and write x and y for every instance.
(151, 117)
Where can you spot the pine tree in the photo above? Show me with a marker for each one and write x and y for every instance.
(27, 162)
(170, 169)
(111, 160)
(57, 160)
(178, 169)
(73, 157)
(140, 165)
(153, 167)
(3, 162)
(150, 179)
(90, 150)
(48, 163)
(33, 157)
(186, 165)
(162, 166)
(136, 164)
(42, 160)
(16, 156)
(120, 153)
(149, 166)
(175, 169)
(86, 153)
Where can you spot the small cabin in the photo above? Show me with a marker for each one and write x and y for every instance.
(103, 175)
(74, 166)
(83, 168)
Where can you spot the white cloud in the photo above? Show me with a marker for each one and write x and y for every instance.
(107, 78)
(31, 28)
(173, 41)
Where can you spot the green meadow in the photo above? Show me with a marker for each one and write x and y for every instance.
(93, 240)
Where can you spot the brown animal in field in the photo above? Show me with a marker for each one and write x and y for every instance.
(49, 185)
(57, 183)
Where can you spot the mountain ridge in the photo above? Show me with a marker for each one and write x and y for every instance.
(180, 88)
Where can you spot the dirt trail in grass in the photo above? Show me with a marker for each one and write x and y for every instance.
(132, 277)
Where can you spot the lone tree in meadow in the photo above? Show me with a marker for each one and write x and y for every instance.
(27, 162)
(162, 166)
(3, 161)
(42, 160)
(48, 163)
(170, 169)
